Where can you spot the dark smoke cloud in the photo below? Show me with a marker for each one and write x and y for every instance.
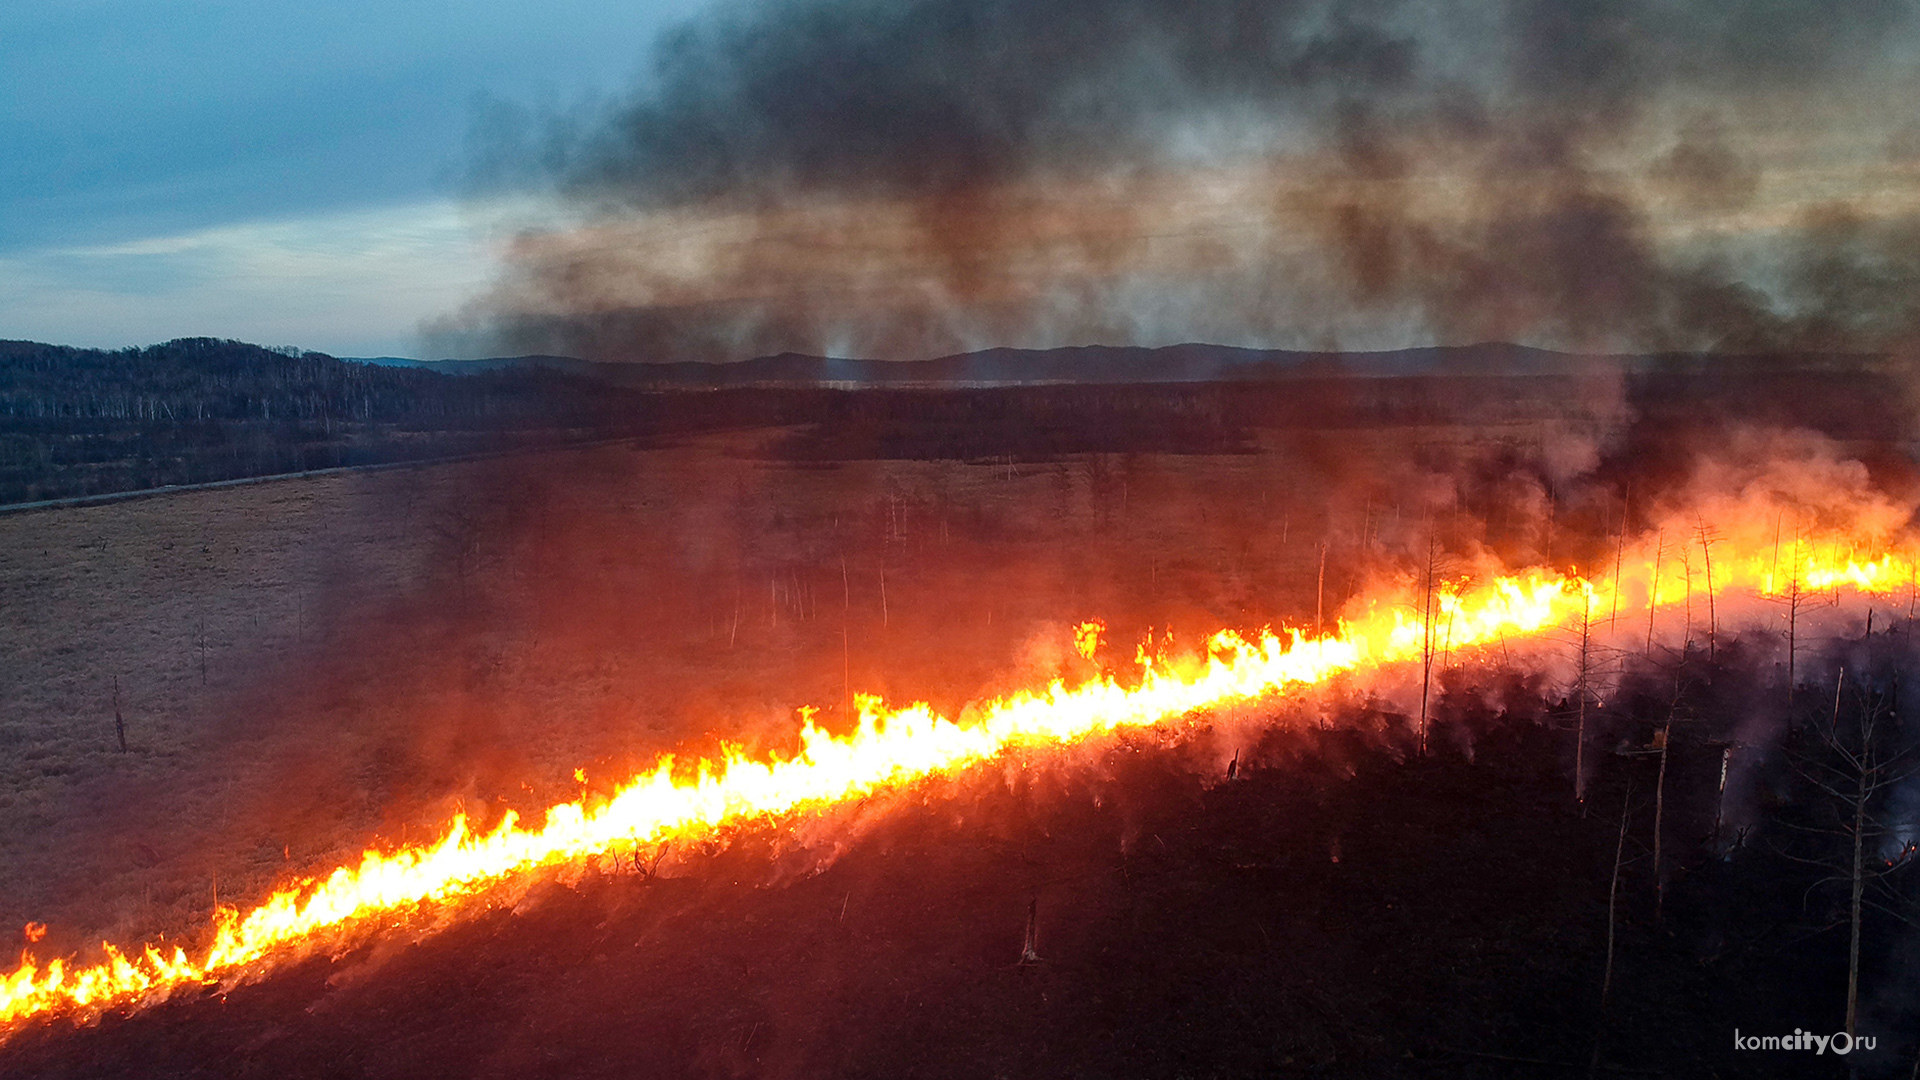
(1704, 172)
(903, 179)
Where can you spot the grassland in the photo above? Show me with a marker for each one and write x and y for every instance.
(304, 666)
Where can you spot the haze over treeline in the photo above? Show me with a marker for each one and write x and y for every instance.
(921, 178)
(79, 422)
(87, 421)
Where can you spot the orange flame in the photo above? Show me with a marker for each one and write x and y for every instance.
(1086, 637)
(892, 746)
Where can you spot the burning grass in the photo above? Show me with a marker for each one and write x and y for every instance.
(361, 681)
(1183, 922)
(892, 745)
(1760, 541)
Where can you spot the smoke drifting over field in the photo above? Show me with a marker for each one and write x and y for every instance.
(909, 179)
(595, 609)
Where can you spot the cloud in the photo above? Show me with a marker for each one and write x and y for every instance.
(356, 282)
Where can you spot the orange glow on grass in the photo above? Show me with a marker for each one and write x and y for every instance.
(896, 745)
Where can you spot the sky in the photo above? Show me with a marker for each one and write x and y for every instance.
(278, 172)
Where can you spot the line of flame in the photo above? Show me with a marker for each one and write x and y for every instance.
(892, 746)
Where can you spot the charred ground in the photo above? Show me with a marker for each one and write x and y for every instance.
(1343, 908)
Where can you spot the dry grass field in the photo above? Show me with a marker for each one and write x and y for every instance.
(307, 666)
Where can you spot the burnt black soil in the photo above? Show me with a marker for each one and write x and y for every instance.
(1344, 908)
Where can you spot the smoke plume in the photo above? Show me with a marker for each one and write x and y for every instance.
(908, 179)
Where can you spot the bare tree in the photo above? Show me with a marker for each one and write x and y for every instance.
(1653, 589)
(1030, 944)
(119, 722)
(645, 867)
(1590, 657)
(1854, 761)
(1707, 534)
(1661, 747)
(1664, 743)
(846, 643)
(1580, 689)
(1434, 576)
(1793, 597)
(1686, 624)
(1913, 591)
(1613, 922)
(1426, 639)
(1720, 796)
(1553, 504)
(1320, 591)
(1620, 554)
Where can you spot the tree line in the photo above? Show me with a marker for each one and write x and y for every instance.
(89, 421)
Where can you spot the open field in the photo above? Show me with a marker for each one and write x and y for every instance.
(307, 665)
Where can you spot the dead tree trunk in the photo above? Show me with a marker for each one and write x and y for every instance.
(119, 723)
(1613, 900)
(1659, 813)
(1686, 623)
(1859, 887)
(1720, 800)
(1653, 590)
(1913, 591)
(1580, 731)
(846, 643)
(1619, 556)
(1857, 877)
(1320, 592)
(1552, 505)
(1793, 627)
(1426, 645)
(1707, 538)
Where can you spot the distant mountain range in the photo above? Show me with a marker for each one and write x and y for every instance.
(89, 422)
(1082, 365)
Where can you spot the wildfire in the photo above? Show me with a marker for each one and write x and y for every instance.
(1086, 638)
(896, 745)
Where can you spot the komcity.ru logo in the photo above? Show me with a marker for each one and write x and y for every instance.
(1839, 1042)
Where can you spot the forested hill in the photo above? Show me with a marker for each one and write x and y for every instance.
(206, 379)
(88, 421)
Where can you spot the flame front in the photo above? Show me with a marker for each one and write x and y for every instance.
(892, 746)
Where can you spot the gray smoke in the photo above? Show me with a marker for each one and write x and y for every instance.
(921, 176)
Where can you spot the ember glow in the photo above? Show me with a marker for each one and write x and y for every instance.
(897, 745)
